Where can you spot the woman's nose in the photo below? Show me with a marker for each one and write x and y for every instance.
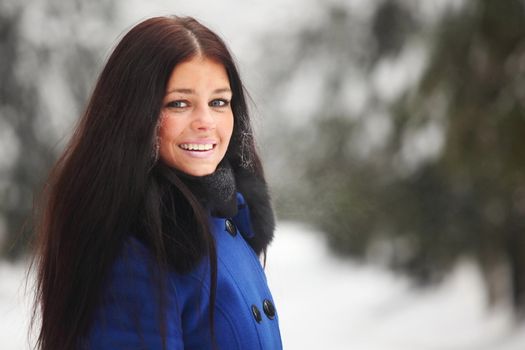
(203, 119)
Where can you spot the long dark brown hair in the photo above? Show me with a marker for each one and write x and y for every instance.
(107, 178)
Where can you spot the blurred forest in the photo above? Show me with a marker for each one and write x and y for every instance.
(420, 173)
(396, 129)
(44, 53)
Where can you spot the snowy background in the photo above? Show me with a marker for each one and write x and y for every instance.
(333, 304)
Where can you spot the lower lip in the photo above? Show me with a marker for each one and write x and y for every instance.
(199, 154)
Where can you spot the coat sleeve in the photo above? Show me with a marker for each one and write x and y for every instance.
(129, 314)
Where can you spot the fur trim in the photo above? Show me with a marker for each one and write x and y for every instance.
(216, 191)
(255, 192)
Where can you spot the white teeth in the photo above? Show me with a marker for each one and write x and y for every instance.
(196, 146)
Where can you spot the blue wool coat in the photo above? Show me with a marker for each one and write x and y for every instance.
(245, 317)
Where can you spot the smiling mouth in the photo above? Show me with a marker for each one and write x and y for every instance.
(199, 147)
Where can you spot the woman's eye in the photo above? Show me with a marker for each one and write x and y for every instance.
(177, 104)
(219, 103)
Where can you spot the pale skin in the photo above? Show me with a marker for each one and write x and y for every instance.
(196, 119)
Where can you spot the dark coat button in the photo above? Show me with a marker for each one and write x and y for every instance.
(230, 227)
(269, 309)
(256, 314)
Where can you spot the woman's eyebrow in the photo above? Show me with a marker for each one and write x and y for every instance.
(220, 91)
(192, 92)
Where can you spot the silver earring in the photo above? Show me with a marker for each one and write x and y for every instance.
(155, 150)
(246, 156)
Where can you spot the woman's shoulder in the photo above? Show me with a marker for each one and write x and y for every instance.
(137, 266)
(133, 268)
(128, 311)
(134, 256)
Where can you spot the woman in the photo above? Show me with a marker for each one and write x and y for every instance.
(157, 213)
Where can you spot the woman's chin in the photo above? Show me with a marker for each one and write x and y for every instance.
(201, 170)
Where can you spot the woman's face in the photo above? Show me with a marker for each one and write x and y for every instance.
(196, 118)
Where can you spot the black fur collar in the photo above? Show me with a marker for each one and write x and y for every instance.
(255, 192)
(216, 192)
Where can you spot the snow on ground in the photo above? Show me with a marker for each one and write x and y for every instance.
(14, 307)
(327, 303)
(333, 304)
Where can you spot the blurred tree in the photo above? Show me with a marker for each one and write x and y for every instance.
(477, 67)
(46, 71)
(445, 180)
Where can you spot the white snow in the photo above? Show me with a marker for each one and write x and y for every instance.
(329, 303)
(14, 307)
